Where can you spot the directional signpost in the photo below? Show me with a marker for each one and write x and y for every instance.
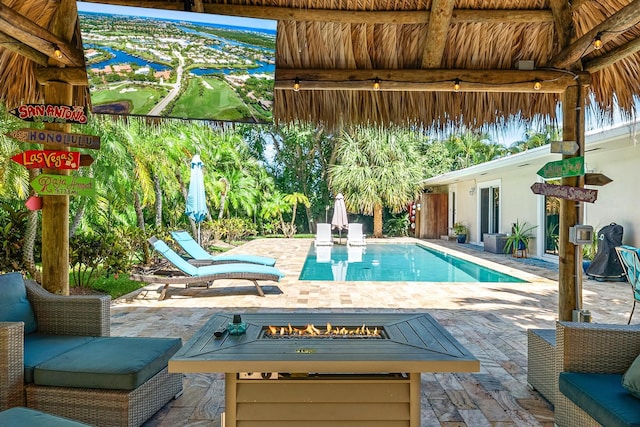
(46, 184)
(85, 160)
(51, 113)
(565, 192)
(573, 166)
(564, 147)
(50, 159)
(596, 179)
(63, 139)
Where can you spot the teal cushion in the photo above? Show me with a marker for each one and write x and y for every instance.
(39, 348)
(631, 378)
(14, 305)
(112, 363)
(25, 417)
(602, 397)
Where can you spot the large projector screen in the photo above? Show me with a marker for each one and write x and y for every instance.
(187, 65)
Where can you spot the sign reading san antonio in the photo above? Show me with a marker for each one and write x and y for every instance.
(63, 185)
(50, 159)
(51, 113)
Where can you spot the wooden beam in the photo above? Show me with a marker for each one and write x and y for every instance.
(64, 22)
(563, 20)
(20, 28)
(55, 209)
(608, 29)
(197, 6)
(613, 56)
(437, 80)
(439, 22)
(75, 76)
(20, 48)
(400, 17)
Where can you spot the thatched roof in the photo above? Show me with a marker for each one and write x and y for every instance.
(415, 48)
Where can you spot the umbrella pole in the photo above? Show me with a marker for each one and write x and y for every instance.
(199, 233)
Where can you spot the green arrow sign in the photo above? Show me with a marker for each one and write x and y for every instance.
(46, 184)
(573, 166)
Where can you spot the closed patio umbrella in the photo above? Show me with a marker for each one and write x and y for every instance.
(196, 208)
(339, 220)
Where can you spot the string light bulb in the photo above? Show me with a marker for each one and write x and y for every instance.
(537, 85)
(376, 84)
(296, 85)
(57, 52)
(456, 85)
(597, 41)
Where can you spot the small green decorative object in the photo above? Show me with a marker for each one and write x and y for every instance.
(237, 326)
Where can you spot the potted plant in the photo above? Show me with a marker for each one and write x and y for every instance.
(519, 238)
(460, 230)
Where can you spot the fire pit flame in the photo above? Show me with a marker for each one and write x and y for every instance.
(330, 331)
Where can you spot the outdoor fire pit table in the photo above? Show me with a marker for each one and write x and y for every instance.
(333, 369)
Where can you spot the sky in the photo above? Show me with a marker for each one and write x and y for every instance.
(176, 15)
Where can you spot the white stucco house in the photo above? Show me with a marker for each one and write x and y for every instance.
(490, 197)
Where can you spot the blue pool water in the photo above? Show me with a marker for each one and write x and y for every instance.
(394, 262)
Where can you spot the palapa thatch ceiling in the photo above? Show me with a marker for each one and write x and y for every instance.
(417, 49)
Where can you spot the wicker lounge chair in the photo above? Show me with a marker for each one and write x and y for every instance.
(67, 317)
(190, 275)
(202, 257)
(594, 349)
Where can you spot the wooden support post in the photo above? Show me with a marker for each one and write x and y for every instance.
(570, 275)
(55, 209)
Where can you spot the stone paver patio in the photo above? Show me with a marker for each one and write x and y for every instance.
(489, 319)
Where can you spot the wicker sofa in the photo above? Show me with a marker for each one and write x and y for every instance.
(585, 349)
(87, 318)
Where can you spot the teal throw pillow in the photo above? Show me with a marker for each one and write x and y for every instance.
(631, 378)
(14, 305)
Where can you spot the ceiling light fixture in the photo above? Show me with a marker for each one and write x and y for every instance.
(537, 85)
(296, 85)
(597, 41)
(376, 84)
(56, 51)
(456, 85)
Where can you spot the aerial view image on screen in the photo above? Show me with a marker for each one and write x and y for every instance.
(178, 64)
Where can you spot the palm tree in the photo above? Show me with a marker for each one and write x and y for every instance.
(274, 206)
(377, 168)
(294, 199)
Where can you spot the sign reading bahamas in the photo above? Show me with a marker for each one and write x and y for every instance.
(175, 64)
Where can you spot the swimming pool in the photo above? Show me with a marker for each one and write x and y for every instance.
(392, 263)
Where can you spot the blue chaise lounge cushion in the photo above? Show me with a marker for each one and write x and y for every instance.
(602, 397)
(14, 305)
(112, 363)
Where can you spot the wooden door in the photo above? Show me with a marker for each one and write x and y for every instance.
(434, 216)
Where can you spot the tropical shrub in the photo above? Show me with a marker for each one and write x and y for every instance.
(91, 254)
(398, 225)
(13, 222)
(231, 229)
